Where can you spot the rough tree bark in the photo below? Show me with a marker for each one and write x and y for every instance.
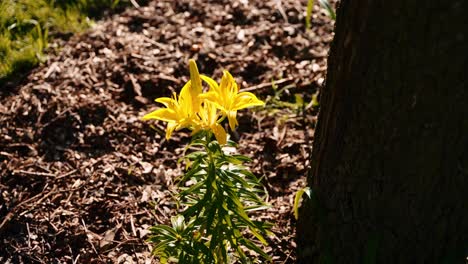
(390, 156)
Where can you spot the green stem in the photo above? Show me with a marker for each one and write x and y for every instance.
(216, 199)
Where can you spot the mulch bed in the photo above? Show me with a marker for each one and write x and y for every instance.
(82, 178)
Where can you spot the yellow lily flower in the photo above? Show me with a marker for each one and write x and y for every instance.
(208, 120)
(226, 97)
(179, 112)
(195, 85)
(199, 111)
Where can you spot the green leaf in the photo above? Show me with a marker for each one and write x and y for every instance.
(233, 197)
(310, 8)
(193, 209)
(258, 236)
(251, 192)
(249, 175)
(257, 207)
(243, 216)
(235, 176)
(178, 223)
(242, 158)
(205, 250)
(160, 248)
(315, 103)
(197, 143)
(297, 199)
(299, 101)
(231, 143)
(193, 189)
(242, 255)
(166, 230)
(189, 174)
(211, 216)
(195, 155)
(224, 253)
(232, 160)
(214, 147)
(263, 225)
(249, 244)
(214, 240)
(325, 4)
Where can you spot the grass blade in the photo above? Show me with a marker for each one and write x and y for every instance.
(310, 8)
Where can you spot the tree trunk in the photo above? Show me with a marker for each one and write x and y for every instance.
(390, 158)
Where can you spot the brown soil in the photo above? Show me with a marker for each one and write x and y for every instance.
(82, 178)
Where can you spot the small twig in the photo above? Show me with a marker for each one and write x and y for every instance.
(76, 259)
(89, 240)
(10, 214)
(41, 197)
(154, 42)
(264, 85)
(287, 258)
(59, 115)
(6, 154)
(67, 174)
(281, 136)
(130, 241)
(34, 173)
(36, 259)
(167, 78)
(133, 226)
(29, 235)
(135, 4)
(279, 6)
(135, 84)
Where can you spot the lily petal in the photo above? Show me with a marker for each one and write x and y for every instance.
(166, 101)
(231, 115)
(220, 133)
(164, 114)
(171, 126)
(211, 83)
(246, 99)
(195, 78)
(212, 97)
